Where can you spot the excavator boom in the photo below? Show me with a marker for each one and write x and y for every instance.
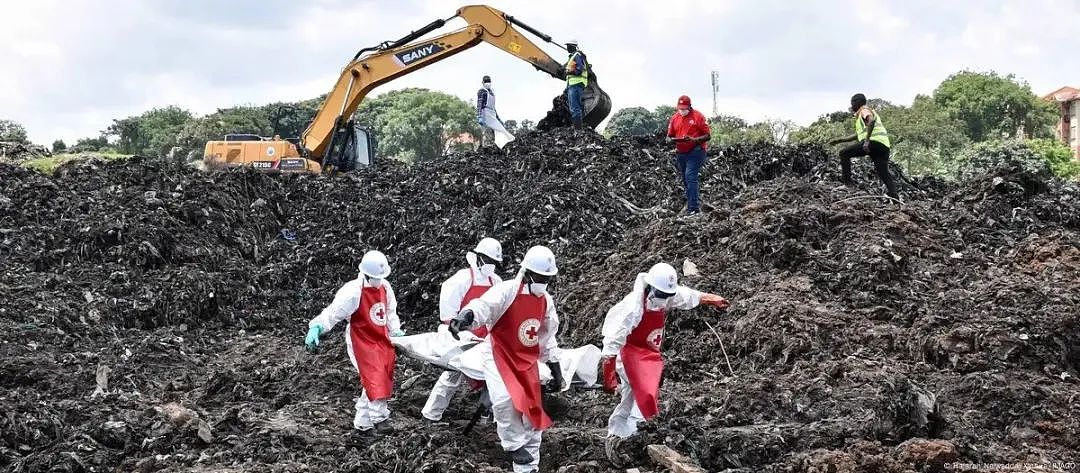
(331, 132)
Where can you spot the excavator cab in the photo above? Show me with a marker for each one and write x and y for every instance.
(351, 147)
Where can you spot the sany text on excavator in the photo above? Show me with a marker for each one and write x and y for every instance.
(335, 142)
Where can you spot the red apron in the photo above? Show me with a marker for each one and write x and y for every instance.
(643, 363)
(515, 344)
(474, 292)
(481, 331)
(371, 346)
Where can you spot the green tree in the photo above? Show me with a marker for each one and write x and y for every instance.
(727, 129)
(1058, 156)
(195, 133)
(12, 131)
(515, 127)
(59, 146)
(925, 139)
(663, 113)
(635, 121)
(991, 106)
(86, 145)
(153, 133)
(290, 119)
(415, 124)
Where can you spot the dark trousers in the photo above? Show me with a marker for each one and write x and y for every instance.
(689, 168)
(573, 100)
(879, 153)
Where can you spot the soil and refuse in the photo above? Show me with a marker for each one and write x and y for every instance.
(153, 315)
(15, 153)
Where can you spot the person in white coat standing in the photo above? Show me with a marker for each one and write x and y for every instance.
(457, 291)
(633, 332)
(521, 318)
(369, 305)
(492, 129)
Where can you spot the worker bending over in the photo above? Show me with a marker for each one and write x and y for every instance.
(633, 332)
(871, 139)
(520, 315)
(457, 291)
(369, 305)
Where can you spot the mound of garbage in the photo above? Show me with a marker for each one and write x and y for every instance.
(154, 314)
(15, 153)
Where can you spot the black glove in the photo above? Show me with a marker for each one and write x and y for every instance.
(556, 383)
(460, 322)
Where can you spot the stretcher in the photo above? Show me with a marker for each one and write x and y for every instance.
(440, 349)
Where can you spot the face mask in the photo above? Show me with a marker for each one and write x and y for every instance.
(374, 282)
(487, 85)
(684, 113)
(652, 303)
(538, 288)
(487, 270)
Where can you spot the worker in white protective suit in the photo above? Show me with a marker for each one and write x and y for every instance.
(492, 129)
(457, 291)
(369, 305)
(633, 332)
(522, 323)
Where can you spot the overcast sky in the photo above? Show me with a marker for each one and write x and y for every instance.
(71, 66)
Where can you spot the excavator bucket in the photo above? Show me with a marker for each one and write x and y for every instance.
(596, 105)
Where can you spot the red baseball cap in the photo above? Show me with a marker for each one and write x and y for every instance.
(684, 103)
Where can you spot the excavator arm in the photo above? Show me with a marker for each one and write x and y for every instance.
(376, 66)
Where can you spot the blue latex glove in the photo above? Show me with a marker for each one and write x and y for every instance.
(312, 338)
(480, 121)
(397, 333)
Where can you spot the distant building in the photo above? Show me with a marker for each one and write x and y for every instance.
(1068, 99)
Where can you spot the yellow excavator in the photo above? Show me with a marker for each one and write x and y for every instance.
(335, 142)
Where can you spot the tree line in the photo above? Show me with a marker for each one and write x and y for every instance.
(934, 135)
(409, 124)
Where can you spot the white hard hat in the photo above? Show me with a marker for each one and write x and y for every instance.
(663, 278)
(573, 42)
(374, 265)
(491, 248)
(540, 260)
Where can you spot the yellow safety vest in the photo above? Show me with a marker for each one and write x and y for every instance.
(583, 76)
(881, 135)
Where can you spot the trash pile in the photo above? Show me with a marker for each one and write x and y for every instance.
(15, 153)
(154, 314)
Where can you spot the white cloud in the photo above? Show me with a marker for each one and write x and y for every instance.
(72, 66)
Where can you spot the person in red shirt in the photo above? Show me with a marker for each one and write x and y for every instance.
(689, 130)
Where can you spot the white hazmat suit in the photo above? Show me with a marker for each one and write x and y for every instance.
(451, 295)
(620, 321)
(515, 429)
(345, 304)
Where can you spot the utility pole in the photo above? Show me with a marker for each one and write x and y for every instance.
(715, 93)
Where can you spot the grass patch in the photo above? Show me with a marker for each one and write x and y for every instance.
(49, 164)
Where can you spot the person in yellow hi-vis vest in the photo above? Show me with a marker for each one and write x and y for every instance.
(577, 79)
(871, 139)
